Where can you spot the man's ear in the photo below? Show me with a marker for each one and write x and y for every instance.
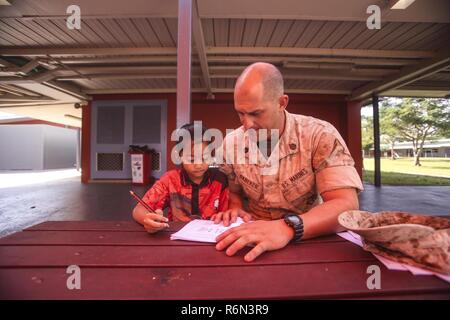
(283, 101)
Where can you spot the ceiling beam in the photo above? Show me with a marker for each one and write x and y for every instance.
(417, 93)
(276, 51)
(366, 53)
(37, 104)
(201, 90)
(236, 59)
(68, 89)
(405, 76)
(17, 91)
(30, 65)
(6, 64)
(5, 51)
(15, 98)
(232, 72)
(199, 40)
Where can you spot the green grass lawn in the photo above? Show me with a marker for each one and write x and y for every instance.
(434, 171)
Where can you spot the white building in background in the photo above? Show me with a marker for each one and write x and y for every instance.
(435, 148)
(37, 147)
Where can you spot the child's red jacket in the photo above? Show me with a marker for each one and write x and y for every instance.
(187, 200)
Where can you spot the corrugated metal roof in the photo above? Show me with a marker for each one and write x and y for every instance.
(41, 26)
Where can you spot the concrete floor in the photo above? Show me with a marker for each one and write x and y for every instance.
(68, 199)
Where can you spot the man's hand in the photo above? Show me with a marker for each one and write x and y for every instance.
(264, 235)
(228, 217)
(153, 222)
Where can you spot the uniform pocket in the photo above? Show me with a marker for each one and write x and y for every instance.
(301, 193)
(253, 189)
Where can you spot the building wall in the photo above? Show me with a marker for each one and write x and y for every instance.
(36, 147)
(60, 148)
(35, 121)
(219, 113)
(21, 147)
(442, 152)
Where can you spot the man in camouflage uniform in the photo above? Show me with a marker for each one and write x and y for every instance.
(315, 176)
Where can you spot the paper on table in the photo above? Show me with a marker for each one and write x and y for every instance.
(203, 230)
(392, 265)
(418, 271)
(443, 277)
(349, 237)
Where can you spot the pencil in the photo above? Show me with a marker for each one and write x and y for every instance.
(146, 206)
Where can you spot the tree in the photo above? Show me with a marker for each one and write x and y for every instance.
(389, 134)
(366, 133)
(416, 120)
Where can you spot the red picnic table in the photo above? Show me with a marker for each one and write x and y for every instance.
(119, 260)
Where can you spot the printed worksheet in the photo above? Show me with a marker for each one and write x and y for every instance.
(203, 230)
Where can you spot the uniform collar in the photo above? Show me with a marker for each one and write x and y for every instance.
(186, 181)
(288, 143)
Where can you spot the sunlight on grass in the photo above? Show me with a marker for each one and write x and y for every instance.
(434, 171)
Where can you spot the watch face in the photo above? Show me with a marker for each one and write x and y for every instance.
(294, 219)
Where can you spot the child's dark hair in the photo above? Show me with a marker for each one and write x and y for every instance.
(191, 128)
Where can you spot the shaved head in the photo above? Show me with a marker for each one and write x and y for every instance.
(261, 74)
(259, 98)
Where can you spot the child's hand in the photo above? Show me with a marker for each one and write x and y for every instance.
(153, 222)
(230, 216)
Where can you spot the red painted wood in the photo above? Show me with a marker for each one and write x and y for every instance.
(65, 232)
(328, 280)
(331, 108)
(135, 265)
(405, 296)
(86, 142)
(87, 226)
(107, 238)
(103, 238)
(174, 256)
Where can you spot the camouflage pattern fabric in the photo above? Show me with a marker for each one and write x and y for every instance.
(417, 240)
(312, 158)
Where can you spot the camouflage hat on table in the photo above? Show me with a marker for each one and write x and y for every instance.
(417, 240)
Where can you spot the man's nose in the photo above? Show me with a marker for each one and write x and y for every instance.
(247, 122)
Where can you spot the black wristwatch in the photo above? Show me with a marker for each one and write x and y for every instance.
(296, 223)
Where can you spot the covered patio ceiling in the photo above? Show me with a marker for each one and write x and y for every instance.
(321, 47)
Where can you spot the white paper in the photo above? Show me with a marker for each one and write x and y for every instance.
(390, 264)
(203, 230)
(418, 271)
(351, 238)
(443, 277)
(355, 235)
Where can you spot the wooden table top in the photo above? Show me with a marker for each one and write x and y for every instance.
(119, 260)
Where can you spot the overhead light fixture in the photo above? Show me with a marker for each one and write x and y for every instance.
(402, 4)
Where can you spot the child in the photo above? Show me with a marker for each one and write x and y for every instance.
(191, 192)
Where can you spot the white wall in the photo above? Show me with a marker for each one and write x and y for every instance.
(37, 147)
(21, 147)
(59, 147)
